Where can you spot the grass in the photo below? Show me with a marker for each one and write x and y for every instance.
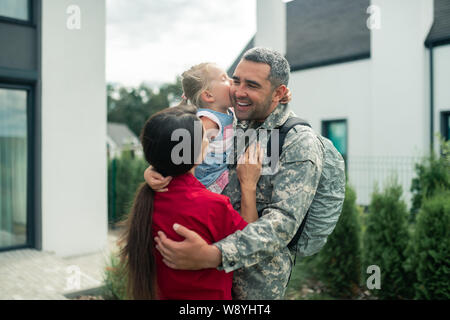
(303, 285)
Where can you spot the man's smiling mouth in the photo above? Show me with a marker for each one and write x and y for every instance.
(242, 106)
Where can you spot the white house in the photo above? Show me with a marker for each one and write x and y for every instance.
(373, 76)
(121, 138)
(53, 174)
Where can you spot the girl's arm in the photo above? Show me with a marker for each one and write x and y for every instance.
(249, 170)
(210, 126)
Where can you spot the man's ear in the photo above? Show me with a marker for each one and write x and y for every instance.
(279, 93)
(207, 97)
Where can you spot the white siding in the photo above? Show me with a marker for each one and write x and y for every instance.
(74, 181)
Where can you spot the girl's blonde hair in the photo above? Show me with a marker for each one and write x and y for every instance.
(194, 81)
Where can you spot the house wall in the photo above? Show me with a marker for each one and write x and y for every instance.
(400, 82)
(399, 110)
(340, 91)
(74, 173)
(441, 61)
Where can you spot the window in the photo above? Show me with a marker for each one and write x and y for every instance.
(13, 166)
(336, 131)
(445, 125)
(15, 9)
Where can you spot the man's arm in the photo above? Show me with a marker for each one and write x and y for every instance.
(294, 187)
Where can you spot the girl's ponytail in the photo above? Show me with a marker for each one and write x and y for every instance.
(138, 251)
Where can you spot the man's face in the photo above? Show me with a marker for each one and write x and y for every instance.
(251, 92)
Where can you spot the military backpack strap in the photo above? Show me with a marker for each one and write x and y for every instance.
(283, 130)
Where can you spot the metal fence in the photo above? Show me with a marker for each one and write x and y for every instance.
(365, 172)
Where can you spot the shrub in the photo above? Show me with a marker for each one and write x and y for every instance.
(125, 175)
(433, 173)
(339, 262)
(115, 279)
(432, 248)
(385, 242)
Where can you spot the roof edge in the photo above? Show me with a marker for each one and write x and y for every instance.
(362, 56)
(437, 42)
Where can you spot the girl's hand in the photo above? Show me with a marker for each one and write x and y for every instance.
(287, 97)
(249, 166)
(155, 180)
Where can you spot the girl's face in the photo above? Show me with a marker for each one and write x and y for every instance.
(220, 87)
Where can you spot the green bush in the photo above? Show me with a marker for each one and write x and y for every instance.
(432, 248)
(125, 174)
(385, 243)
(115, 279)
(433, 173)
(339, 262)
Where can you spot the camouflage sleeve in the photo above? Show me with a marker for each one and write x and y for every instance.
(294, 187)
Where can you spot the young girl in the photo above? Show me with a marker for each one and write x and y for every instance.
(207, 87)
(209, 214)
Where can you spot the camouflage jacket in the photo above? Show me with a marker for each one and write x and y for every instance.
(259, 254)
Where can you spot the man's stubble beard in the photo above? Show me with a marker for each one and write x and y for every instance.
(258, 114)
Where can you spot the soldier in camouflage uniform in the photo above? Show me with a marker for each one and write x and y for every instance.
(259, 255)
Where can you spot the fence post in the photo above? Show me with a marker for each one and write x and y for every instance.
(113, 191)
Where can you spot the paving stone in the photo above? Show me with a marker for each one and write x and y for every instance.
(30, 274)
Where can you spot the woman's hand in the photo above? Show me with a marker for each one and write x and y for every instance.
(249, 170)
(249, 166)
(155, 180)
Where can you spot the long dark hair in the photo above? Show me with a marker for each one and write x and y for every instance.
(156, 139)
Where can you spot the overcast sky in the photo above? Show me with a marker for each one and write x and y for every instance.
(156, 40)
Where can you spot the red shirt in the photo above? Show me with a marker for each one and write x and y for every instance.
(209, 214)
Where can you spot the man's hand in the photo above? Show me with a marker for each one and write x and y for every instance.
(155, 180)
(193, 253)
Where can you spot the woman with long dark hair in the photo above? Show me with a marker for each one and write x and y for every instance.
(187, 202)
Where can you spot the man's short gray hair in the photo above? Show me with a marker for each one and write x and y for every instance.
(279, 66)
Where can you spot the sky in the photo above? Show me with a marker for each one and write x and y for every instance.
(153, 41)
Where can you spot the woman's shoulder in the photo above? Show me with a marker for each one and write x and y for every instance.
(209, 198)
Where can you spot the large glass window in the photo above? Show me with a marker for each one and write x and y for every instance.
(13, 167)
(15, 9)
(336, 131)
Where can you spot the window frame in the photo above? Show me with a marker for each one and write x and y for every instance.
(30, 225)
(445, 119)
(31, 21)
(325, 133)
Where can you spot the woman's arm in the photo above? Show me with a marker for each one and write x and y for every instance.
(249, 170)
(155, 180)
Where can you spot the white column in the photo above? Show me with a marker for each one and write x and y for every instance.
(271, 25)
(74, 173)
